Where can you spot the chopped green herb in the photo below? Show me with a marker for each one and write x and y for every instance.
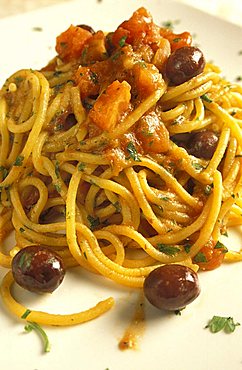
(197, 166)
(26, 314)
(170, 250)
(37, 29)
(94, 77)
(206, 98)
(4, 172)
(147, 133)
(94, 222)
(34, 326)
(142, 64)
(57, 187)
(238, 78)
(132, 152)
(22, 230)
(218, 323)
(187, 248)
(19, 160)
(177, 39)
(220, 245)
(116, 55)
(122, 41)
(81, 167)
(200, 257)
(57, 169)
(163, 197)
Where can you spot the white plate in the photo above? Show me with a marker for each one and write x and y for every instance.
(169, 342)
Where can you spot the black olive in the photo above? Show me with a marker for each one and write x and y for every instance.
(38, 269)
(87, 28)
(171, 287)
(184, 63)
(203, 144)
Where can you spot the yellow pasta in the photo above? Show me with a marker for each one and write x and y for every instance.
(99, 160)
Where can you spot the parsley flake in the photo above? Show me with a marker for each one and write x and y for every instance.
(81, 166)
(122, 41)
(26, 314)
(219, 323)
(19, 161)
(132, 152)
(170, 250)
(94, 221)
(200, 257)
(206, 98)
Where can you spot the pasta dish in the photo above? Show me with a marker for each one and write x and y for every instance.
(121, 155)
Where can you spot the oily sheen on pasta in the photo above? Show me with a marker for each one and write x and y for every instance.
(120, 159)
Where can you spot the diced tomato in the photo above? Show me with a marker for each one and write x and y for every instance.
(147, 79)
(176, 40)
(87, 80)
(111, 105)
(152, 134)
(70, 43)
(140, 28)
(213, 256)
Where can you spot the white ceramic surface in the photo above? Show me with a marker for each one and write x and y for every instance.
(169, 342)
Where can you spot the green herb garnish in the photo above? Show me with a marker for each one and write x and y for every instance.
(4, 172)
(220, 245)
(81, 167)
(200, 257)
(219, 323)
(197, 166)
(34, 326)
(187, 248)
(94, 221)
(19, 160)
(206, 98)
(170, 250)
(26, 314)
(122, 41)
(57, 169)
(37, 29)
(132, 152)
(94, 77)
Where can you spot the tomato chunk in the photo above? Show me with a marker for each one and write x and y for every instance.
(210, 256)
(70, 43)
(153, 134)
(111, 105)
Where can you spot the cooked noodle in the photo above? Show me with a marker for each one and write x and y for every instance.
(80, 175)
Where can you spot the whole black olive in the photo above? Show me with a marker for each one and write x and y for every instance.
(38, 269)
(184, 63)
(171, 287)
(203, 144)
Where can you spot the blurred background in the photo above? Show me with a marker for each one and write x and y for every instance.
(227, 9)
